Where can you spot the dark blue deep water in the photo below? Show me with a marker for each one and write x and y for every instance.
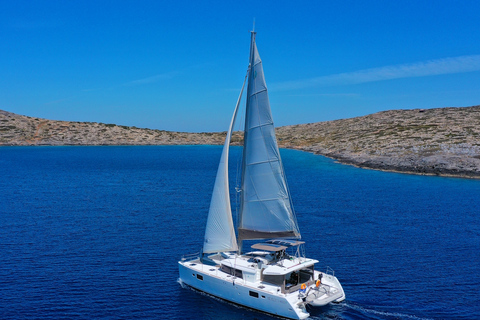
(96, 232)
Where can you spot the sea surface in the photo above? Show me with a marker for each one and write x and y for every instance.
(96, 233)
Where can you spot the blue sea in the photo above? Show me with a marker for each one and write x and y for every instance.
(96, 233)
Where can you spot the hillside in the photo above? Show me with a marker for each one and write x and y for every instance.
(17, 130)
(442, 141)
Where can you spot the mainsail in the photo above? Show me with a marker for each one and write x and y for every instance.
(219, 231)
(266, 211)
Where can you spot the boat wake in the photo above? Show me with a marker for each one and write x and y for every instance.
(354, 311)
(342, 310)
(181, 283)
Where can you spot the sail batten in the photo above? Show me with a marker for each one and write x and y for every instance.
(264, 200)
(258, 92)
(261, 125)
(261, 162)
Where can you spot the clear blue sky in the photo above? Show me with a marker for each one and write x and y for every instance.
(179, 65)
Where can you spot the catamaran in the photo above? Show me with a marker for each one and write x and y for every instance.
(260, 263)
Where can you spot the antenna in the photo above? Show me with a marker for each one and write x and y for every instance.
(253, 25)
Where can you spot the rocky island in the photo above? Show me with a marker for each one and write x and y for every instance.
(441, 141)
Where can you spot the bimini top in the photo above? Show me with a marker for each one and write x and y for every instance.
(270, 247)
(276, 245)
(286, 243)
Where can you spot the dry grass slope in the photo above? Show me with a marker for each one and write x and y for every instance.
(17, 130)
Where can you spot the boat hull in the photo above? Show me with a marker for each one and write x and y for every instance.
(207, 279)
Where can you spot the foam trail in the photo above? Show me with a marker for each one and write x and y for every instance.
(362, 310)
(396, 315)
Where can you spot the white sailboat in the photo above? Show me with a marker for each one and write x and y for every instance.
(272, 276)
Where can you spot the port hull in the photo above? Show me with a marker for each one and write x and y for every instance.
(213, 282)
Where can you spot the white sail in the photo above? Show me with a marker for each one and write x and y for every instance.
(220, 232)
(266, 211)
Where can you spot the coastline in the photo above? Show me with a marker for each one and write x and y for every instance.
(439, 142)
(413, 170)
(453, 167)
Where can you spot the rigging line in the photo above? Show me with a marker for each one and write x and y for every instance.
(294, 215)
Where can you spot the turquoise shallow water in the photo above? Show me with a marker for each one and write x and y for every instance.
(96, 232)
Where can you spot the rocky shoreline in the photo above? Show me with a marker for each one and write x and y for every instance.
(442, 141)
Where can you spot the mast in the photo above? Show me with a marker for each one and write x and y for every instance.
(245, 133)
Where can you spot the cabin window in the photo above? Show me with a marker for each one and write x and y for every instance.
(226, 269)
(238, 273)
(274, 279)
(306, 274)
(253, 294)
(234, 272)
(199, 277)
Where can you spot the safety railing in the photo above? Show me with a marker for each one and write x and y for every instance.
(191, 256)
(330, 271)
